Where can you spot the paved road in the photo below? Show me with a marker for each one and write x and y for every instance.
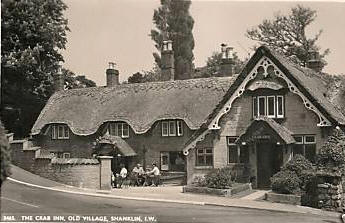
(20, 199)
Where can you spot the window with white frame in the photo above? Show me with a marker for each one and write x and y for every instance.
(60, 131)
(119, 129)
(236, 153)
(204, 157)
(306, 146)
(271, 106)
(172, 128)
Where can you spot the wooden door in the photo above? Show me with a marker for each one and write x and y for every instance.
(269, 161)
(265, 157)
(164, 160)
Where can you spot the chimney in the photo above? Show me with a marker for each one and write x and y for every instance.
(226, 65)
(314, 61)
(112, 75)
(167, 61)
(59, 80)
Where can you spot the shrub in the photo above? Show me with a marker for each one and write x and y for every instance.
(199, 181)
(286, 182)
(303, 168)
(5, 155)
(219, 178)
(298, 164)
(332, 152)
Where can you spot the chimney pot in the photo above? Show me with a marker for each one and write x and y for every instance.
(314, 61)
(59, 80)
(112, 75)
(226, 66)
(167, 61)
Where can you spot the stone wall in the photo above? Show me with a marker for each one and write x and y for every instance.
(330, 192)
(78, 175)
(21, 156)
(79, 172)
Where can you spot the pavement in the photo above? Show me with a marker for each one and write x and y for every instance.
(167, 194)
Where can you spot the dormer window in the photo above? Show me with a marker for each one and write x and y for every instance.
(119, 129)
(271, 106)
(60, 131)
(172, 128)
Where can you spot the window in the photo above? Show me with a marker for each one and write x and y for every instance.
(306, 146)
(172, 128)
(204, 157)
(119, 129)
(165, 129)
(179, 128)
(236, 153)
(60, 132)
(66, 155)
(280, 107)
(262, 106)
(271, 106)
(255, 107)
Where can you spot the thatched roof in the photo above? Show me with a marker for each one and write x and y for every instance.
(314, 83)
(119, 143)
(140, 105)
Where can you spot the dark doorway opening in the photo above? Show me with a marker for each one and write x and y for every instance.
(269, 161)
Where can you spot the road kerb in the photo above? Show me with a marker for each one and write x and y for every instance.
(106, 195)
(306, 210)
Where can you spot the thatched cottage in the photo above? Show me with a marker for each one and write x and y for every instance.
(253, 121)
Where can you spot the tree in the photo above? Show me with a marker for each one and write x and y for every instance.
(5, 155)
(33, 33)
(136, 78)
(287, 34)
(147, 76)
(174, 22)
(76, 81)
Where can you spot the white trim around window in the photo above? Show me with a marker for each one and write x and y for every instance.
(165, 128)
(119, 129)
(268, 106)
(271, 106)
(179, 128)
(172, 128)
(60, 131)
(280, 106)
(264, 106)
(309, 139)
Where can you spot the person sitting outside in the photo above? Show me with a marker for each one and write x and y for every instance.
(138, 173)
(113, 180)
(155, 174)
(122, 176)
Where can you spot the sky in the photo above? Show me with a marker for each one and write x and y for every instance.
(117, 31)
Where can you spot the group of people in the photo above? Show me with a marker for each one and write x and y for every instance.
(138, 177)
